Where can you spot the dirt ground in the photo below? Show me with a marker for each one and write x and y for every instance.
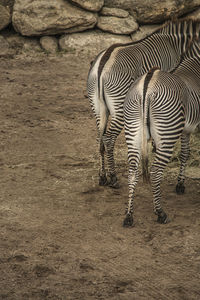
(61, 235)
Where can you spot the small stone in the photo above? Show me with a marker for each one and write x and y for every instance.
(49, 44)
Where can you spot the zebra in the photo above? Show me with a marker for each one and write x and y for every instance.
(116, 68)
(163, 106)
(189, 72)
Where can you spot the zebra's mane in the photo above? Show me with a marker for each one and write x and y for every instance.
(173, 26)
(106, 56)
(191, 52)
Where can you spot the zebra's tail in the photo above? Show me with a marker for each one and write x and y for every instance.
(103, 110)
(145, 127)
(96, 96)
(145, 159)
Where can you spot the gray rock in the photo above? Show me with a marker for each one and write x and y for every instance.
(117, 25)
(154, 11)
(115, 12)
(49, 44)
(90, 42)
(89, 4)
(5, 16)
(144, 31)
(48, 17)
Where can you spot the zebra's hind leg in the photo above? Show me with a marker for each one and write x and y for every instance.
(162, 217)
(102, 172)
(161, 159)
(109, 140)
(185, 153)
(132, 182)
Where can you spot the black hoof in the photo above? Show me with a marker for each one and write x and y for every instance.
(113, 183)
(103, 180)
(128, 221)
(162, 218)
(180, 188)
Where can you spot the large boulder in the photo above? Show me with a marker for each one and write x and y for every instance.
(49, 17)
(117, 25)
(5, 16)
(89, 4)
(154, 11)
(91, 42)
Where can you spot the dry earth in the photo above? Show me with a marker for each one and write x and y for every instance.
(62, 234)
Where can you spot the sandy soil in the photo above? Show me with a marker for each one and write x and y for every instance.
(61, 235)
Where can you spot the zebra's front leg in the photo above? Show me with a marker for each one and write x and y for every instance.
(156, 177)
(185, 153)
(132, 182)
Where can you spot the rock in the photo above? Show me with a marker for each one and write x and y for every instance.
(8, 3)
(195, 14)
(5, 16)
(89, 4)
(16, 42)
(117, 25)
(4, 45)
(115, 12)
(24, 45)
(48, 17)
(91, 42)
(5, 49)
(49, 44)
(154, 11)
(31, 45)
(144, 31)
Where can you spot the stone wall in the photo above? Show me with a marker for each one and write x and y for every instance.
(83, 25)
